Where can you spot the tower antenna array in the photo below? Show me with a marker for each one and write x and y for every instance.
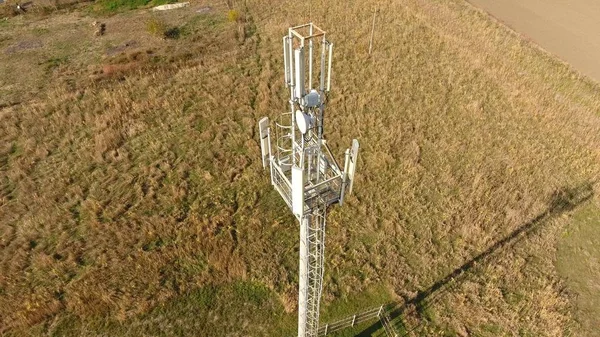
(303, 169)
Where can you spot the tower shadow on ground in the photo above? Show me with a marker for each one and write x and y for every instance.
(563, 200)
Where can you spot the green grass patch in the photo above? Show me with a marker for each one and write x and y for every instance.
(224, 310)
(250, 293)
(40, 31)
(108, 7)
(53, 63)
(578, 263)
(202, 23)
(352, 304)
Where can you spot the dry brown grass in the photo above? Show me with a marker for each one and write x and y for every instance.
(125, 201)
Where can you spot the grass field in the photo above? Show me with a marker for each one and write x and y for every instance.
(133, 200)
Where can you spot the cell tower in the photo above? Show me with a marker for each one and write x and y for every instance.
(303, 170)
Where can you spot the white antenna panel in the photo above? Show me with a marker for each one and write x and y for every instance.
(352, 164)
(286, 60)
(265, 140)
(298, 190)
(299, 67)
(329, 67)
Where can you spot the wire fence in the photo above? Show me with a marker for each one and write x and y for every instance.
(350, 321)
(387, 325)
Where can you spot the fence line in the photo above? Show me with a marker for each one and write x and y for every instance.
(387, 326)
(359, 318)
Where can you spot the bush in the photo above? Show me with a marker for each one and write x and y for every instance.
(156, 26)
(233, 15)
(172, 33)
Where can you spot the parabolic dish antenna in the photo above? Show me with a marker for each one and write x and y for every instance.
(303, 121)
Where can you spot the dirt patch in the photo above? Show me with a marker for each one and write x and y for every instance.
(24, 45)
(122, 47)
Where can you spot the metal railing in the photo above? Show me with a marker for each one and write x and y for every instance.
(282, 185)
(315, 195)
(283, 137)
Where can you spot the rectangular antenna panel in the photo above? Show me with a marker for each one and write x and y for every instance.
(297, 191)
(352, 164)
(286, 60)
(329, 67)
(263, 127)
(299, 77)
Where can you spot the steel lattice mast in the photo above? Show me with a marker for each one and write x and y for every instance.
(303, 170)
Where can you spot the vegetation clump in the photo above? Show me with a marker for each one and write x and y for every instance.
(159, 28)
(109, 7)
(100, 28)
(233, 15)
(156, 26)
